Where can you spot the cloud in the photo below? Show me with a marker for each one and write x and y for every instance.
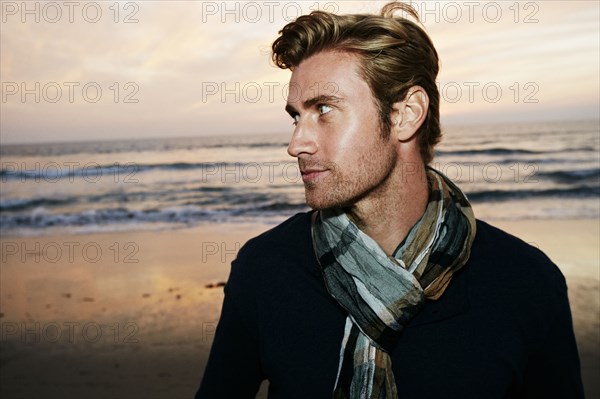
(175, 50)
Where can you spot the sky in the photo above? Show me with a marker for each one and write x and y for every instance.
(73, 71)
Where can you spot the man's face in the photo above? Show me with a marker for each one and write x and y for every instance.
(337, 140)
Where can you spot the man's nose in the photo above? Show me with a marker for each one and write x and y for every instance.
(303, 140)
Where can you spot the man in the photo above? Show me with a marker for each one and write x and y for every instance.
(391, 288)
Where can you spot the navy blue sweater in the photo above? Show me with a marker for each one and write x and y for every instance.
(502, 329)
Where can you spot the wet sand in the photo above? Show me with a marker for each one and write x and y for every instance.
(132, 314)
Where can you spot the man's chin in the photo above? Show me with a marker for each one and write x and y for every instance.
(322, 202)
(317, 203)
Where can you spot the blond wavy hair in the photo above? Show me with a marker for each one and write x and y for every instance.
(394, 52)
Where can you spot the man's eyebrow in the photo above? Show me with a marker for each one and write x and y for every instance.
(321, 99)
(312, 101)
(290, 109)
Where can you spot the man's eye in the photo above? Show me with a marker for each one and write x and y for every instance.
(323, 109)
(296, 119)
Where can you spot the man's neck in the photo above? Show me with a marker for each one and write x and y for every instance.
(388, 216)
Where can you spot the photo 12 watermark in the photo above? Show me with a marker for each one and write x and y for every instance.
(491, 12)
(70, 92)
(86, 252)
(250, 172)
(69, 332)
(53, 12)
(489, 92)
(271, 92)
(486, 172)
(69, 172)
(253, 12)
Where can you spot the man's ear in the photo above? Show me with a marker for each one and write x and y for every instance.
(408, 115)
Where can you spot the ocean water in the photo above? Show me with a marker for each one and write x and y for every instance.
(516, 171)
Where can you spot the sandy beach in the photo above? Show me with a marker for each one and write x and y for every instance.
(132, 314)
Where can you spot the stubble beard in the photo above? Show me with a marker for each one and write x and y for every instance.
(326, 193)
(343, 189)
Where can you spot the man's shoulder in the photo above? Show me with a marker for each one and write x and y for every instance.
(498, 242)
(512, 259)
(284, 234)
(273, 254)
(289, 227)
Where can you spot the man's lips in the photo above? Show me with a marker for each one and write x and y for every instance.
(312, 174)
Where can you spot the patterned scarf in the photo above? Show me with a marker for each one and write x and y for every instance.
(382, 293)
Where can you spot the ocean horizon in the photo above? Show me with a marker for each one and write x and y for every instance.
(509, 172)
